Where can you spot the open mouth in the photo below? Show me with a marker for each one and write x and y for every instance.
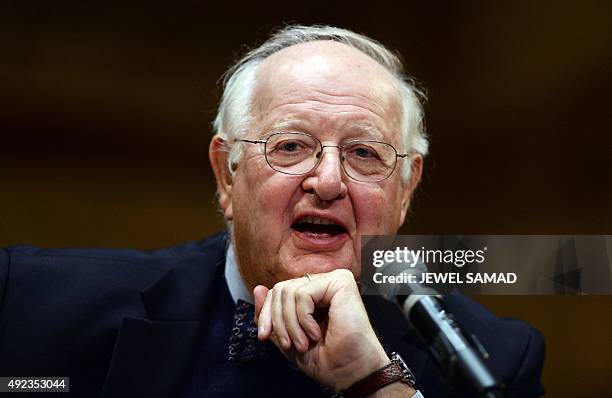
(319, 227)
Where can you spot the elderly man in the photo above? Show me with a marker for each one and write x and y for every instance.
(319, 141)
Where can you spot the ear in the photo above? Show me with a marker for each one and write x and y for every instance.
(416, 170)
(218, 153)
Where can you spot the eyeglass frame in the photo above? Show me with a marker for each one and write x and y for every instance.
(321, 146)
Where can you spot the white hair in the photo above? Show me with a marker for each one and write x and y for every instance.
(234, 115)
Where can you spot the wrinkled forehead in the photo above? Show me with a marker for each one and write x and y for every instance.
(326, 71)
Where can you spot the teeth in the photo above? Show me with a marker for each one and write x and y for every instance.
(317, 220)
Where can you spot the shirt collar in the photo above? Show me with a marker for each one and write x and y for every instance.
(235, 284)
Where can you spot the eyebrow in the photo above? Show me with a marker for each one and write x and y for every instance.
(368, 129)
(362, 128)
(288, 123)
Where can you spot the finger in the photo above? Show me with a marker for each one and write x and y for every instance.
(278, 323)
(259, 293)
(294, 329)
(264, 321)
(337, 283)
(319, 292)
(305, 307)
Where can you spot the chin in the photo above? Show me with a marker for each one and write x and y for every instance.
(318, 264)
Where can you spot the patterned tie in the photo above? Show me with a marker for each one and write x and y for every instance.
(244, 345)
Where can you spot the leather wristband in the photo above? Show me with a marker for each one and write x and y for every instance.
(396, 371)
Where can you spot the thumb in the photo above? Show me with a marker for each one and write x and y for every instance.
(259, 292)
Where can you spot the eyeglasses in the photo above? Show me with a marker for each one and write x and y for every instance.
(300, 153)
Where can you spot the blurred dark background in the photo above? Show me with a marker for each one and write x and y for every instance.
(105, 115)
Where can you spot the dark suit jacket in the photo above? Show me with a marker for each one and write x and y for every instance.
(126, 322)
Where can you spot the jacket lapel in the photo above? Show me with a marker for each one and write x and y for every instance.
(152, 354)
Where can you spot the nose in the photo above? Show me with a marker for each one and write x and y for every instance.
(326, 180)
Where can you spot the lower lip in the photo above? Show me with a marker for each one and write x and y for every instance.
(312, 241)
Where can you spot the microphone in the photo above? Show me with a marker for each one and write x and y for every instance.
(461, 356)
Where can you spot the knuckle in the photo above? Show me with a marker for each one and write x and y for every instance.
(278, 292)
(301, 293)
(344, 273)
(287, 293)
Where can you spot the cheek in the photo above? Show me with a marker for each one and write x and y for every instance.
(377, 210)
(266, 199)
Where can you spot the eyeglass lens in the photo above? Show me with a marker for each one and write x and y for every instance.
(297, 153)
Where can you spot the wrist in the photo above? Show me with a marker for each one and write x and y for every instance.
(360, 369)
(402, 390)
(395, 379)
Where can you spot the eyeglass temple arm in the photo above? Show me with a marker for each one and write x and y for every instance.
(252, 141)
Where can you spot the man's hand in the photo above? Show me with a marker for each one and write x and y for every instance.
(322, 326)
